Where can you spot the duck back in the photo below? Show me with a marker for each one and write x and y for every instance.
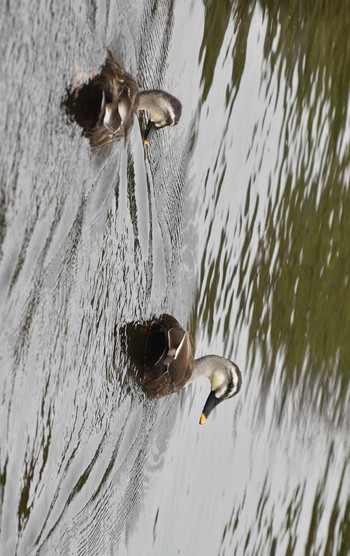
(168, 361)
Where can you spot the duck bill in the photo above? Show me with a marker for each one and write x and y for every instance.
(211, 402)
(149, 132)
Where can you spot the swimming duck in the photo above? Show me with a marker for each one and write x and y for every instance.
(105, 106)
(168, 365)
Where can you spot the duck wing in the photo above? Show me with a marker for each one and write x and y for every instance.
(122, 90)
(171, 373)
(102, 136)
(181, 366)
(120, 96)
(157, 387)
(175, 338)
(168, 357)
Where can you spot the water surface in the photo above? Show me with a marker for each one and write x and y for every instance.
(236, 221)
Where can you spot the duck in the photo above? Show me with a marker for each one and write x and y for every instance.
(168, 365)
(105, 106)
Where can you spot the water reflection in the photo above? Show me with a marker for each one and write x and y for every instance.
(301, 271)
(291, 290)
(273, 264)
(245, 204)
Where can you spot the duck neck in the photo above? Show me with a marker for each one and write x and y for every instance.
(204, 366)
(146, 101)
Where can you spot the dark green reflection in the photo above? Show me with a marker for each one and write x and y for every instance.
(301, 272)
(218, 15)
(295, 294)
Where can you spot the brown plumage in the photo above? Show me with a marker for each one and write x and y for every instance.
(105, 106)
(168, 361)
(161, 351)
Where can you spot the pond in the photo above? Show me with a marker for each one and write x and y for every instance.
(236, 221)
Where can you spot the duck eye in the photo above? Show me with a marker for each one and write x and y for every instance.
(231, 390)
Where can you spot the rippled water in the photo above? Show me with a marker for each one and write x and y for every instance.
(235, 221)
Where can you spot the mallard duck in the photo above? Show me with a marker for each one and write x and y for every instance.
(105, 106)
(167, 364)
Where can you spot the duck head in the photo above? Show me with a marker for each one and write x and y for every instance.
(226, 380)
(163, 110)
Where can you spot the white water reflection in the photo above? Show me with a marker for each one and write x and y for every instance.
(94, 241)
(282, 497)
